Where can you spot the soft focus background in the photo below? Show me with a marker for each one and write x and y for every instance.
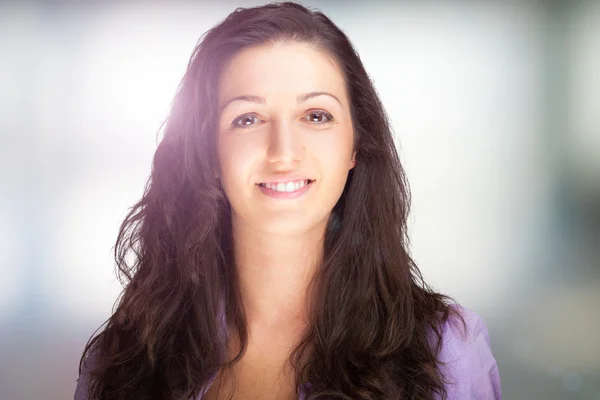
(496, 106)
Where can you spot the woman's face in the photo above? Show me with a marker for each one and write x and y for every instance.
(285, 137)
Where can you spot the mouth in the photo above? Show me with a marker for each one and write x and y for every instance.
(286, 187)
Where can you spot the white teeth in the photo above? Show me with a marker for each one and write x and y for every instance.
(286, 187)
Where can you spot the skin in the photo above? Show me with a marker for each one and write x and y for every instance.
(278, 242)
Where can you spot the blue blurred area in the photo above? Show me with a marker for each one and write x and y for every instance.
(496, 107)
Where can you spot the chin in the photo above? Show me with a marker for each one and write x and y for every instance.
(287, 228)
(290, 226)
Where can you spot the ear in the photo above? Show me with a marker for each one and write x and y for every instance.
(353, 160)
(216, 170)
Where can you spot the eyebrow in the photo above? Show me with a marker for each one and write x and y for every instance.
(261, 100)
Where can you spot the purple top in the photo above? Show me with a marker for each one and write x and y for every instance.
(469, 365)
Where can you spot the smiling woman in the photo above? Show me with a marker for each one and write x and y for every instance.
(268, 257)
(295, 140)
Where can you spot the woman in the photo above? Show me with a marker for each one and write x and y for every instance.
(267, 258)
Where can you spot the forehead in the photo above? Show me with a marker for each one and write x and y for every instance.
(281, 69)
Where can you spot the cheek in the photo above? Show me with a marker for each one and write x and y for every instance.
(235, 160)
(335, 154)
(227, 156)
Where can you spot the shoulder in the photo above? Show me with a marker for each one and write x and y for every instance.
(84, 380)
(466, 360)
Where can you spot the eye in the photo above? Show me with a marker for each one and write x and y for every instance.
(319, 117)
(245, 121)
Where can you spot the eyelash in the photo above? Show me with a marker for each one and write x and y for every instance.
(322, 113)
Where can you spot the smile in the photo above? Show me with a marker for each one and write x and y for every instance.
(288, 187)
(285, 190)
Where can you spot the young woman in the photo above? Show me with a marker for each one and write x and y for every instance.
(267, 258)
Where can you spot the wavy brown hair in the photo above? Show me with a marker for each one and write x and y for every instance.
(375, 329)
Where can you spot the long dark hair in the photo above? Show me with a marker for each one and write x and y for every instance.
(375, 329)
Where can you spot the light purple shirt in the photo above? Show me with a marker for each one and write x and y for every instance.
(469, 365)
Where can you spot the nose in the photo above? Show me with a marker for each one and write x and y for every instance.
(285, 145)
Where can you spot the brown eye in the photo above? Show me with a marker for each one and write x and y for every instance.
(245, 121)
(319, 117)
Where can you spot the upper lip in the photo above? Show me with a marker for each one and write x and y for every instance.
(286, 178)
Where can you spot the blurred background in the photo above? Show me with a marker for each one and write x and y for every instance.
(496, 108)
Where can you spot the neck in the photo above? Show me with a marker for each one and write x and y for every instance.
(274, 273)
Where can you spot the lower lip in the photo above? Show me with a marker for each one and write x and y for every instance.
(285, 195)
